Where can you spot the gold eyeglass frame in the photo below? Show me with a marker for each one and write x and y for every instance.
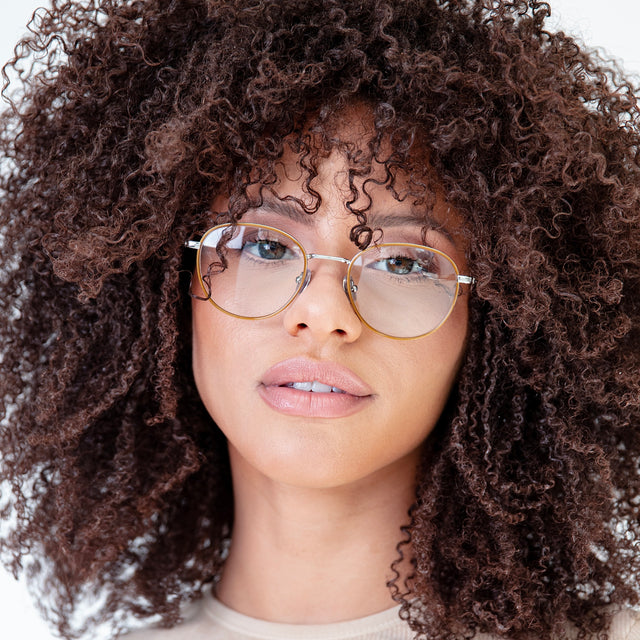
(305, 276)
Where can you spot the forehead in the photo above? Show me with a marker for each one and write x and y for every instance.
(351, 147)
(384, 197)
(348, 163)
(358, 172)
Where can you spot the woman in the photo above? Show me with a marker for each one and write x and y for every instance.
(322, 315)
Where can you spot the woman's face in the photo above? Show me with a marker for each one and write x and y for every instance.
(395, 389)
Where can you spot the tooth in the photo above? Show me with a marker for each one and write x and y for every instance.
(314, 386)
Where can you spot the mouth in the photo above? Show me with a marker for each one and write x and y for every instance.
(304, 374)
(308, 388)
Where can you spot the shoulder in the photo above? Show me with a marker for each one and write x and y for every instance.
(625, 625)
(195, 625)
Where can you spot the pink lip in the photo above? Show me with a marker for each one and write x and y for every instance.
(288, 401)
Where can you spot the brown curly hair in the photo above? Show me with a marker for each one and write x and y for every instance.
(137, 113)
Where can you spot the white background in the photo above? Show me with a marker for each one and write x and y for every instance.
(609, 25)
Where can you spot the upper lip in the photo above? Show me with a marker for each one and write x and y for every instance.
(304, 369)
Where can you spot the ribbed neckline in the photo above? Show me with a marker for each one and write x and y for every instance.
(239, 623)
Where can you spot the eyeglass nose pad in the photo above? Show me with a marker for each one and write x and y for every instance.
(351, 285)
(307, 280)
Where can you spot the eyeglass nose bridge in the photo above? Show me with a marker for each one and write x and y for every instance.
(320, 256)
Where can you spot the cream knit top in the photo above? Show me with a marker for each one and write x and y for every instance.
(209, 619)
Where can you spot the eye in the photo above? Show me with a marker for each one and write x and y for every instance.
(401, 265)
(269, 246)
(398, 265)
(267, 249)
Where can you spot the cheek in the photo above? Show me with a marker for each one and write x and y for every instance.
(453, 342)
(213, 355)
(430, 366)
(203, 349)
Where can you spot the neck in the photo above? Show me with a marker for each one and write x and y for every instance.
(313, 556)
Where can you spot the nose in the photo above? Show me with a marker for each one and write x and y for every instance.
(323, 308)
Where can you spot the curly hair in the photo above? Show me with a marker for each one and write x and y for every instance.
(136, 114)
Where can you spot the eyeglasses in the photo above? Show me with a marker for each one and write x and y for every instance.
(254, 271)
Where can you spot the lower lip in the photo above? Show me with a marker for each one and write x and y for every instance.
(293, 402)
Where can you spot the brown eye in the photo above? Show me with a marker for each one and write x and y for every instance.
(400, 266)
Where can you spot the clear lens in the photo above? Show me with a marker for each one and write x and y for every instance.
(254, 271)
(250, 270)
(403, 291)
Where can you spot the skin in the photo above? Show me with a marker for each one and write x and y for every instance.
(319, 501)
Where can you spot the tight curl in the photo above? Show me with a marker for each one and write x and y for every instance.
(136, 114)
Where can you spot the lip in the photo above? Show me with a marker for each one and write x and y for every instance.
(291, 401)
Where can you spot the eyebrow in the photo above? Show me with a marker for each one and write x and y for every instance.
(287, 207)
(294, 211)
